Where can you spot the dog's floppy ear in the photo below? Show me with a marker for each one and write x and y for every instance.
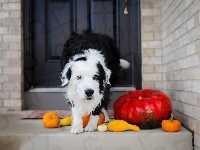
(106, 71)
(65, 75)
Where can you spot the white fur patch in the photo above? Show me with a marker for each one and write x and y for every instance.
(124, 64)
(107, 119)
(92, 124)
(77, 126)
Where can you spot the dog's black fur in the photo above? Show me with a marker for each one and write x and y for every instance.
(107, 47)
(106, 90)
(101, 42)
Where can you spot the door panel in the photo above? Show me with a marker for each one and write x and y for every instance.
(82, 15)
(102, 16)
(58, 26)
(125, 43)
(37, 25)
(51, 22)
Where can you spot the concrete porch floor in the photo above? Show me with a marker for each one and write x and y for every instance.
(17, 134)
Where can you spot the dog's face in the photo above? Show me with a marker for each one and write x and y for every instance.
(86, 80)
(85, 77)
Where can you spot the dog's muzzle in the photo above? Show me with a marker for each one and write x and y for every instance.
(89, 93)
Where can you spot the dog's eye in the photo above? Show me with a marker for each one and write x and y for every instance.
(95, 77)
(78, 77)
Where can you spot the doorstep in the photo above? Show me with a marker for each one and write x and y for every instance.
(17, 134)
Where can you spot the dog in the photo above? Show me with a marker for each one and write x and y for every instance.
(87, 61)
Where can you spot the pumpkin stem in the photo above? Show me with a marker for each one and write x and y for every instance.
(172, 117)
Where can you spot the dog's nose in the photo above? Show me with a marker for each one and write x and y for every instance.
(89, 92)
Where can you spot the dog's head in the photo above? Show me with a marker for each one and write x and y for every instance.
(86, 75)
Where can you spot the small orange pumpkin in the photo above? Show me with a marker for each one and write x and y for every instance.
(171, 125)
(51, 120)
(86, 119)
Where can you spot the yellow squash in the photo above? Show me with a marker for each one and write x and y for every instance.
(121, 125)
(66, 121)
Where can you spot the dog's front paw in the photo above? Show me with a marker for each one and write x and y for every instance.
(90, 128)
(76, 129)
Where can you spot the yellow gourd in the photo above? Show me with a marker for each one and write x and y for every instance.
(66, 121)
(121, 125)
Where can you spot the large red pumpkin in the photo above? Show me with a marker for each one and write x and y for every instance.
(145, 108)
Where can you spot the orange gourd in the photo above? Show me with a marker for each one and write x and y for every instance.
(51, 120)
(86, 119)
(171, 125)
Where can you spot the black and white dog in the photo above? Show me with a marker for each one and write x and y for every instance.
(87, 62)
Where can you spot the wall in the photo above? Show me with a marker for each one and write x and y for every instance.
(171, 56)
(181, 60)
(151, 44)
(10, 54)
